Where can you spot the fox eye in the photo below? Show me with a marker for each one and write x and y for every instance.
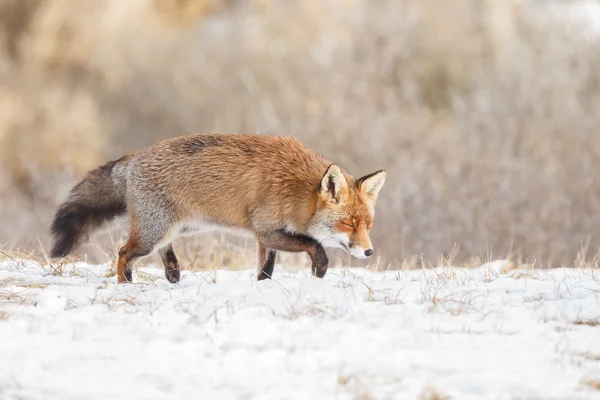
(348, 224)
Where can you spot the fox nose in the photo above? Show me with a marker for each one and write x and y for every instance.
(369, 252)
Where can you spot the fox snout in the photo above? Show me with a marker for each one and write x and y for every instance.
(359, 251)
(359, 244)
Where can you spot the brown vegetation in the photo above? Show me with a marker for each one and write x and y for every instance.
(484, 113)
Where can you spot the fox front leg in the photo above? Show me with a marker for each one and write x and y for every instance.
(169, 259)
(294, 243)
(320, 262)
(266, 262)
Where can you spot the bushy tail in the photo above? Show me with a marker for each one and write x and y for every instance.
(98, 198)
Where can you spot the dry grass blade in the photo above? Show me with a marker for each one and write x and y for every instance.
(588, 322)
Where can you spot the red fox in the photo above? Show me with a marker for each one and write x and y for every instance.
(289, 197)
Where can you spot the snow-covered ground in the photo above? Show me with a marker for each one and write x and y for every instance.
(485, 333)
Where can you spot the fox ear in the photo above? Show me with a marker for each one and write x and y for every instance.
(333, 185)
(371, 184)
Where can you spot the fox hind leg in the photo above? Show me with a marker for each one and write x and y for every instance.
(172, 270)
(266, 262)
(143, 239)
(133, 249)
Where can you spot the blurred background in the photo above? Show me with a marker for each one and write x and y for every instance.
(484, 112)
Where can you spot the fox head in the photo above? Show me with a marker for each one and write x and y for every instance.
(345, 209)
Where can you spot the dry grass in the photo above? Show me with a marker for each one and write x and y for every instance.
(484, 113)
(588, 322)
(592, 383)
(432, 394)
(356, 386)
(25, 293)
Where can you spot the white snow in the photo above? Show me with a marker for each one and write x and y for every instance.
(484, 333)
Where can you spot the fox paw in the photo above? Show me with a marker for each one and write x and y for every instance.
(172, 275)
(319, 272)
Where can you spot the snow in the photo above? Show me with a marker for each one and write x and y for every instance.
(491, 332)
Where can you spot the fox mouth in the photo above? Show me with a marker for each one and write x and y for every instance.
(348, 249)
(345, 247)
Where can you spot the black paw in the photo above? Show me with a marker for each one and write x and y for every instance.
(128, 275)
(264, 275)
(173, 275)
(319, 272)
